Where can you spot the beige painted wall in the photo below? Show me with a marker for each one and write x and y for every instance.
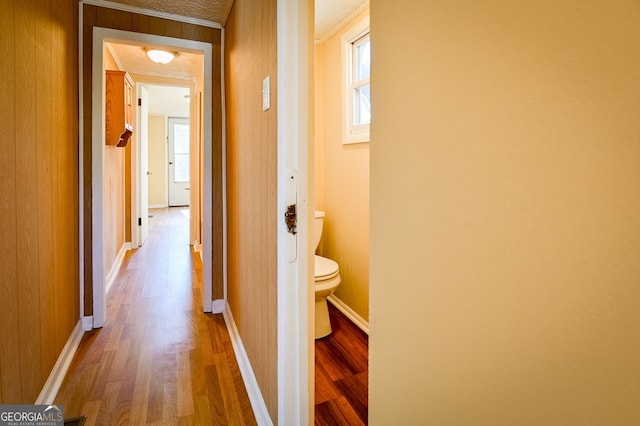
(505, 213)
(114, 191)
(342, 179)
(157, 161)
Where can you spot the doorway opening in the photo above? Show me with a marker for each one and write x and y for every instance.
(169, 155)
(112, 47)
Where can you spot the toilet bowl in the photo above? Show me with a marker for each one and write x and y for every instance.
(326, 280)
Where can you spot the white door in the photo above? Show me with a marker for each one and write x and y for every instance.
(179, 162)
(143, 169)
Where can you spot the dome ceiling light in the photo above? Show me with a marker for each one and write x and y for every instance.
(160, 56)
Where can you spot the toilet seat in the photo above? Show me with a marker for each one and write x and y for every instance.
(325, 269)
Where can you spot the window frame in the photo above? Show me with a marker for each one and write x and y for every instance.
(353, 133)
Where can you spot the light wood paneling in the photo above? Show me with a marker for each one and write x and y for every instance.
(9, 327)
(27, 188)
(45, 296)
(38, 211)
(250, 49)
(115, 19)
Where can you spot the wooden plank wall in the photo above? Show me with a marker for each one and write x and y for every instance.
(250, 55)
(127, 21)
(39, 283)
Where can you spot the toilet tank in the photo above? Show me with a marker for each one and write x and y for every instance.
(317, 228)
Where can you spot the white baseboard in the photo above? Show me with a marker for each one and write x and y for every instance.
(59, 371)
(198, 249)
(115, 268)
(157, 206)
(349, 313)
(87, 323)
(218, 306)
(251, 384)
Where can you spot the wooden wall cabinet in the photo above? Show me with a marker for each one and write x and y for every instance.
(119, 108)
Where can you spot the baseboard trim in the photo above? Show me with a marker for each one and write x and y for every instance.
(157, 206)
(87, 323)
(198, 249)
(218, 306)
(349, 313)
(115, 268)
(59, 371)
(250, 382)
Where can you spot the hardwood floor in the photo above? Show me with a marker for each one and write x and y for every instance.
(342, 373)
(159, 359)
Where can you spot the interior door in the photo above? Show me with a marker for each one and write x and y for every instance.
(179, 133)
(143, 169)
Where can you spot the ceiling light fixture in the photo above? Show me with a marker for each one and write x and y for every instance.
(160, 56)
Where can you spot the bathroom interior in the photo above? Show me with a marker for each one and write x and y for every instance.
(342, 200)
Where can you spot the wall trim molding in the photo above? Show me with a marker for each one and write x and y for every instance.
(87, 323)
(246, 371)
(157, 206)
(154, 13)
(349, 313)
(52, 385)
(115, 268)
(218, 306)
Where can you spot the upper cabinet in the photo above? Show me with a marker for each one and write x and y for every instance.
(119, 108)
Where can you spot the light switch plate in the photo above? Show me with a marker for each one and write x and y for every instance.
(266, 93)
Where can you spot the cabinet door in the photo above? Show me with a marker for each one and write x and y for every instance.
(128, 90)
(119, 108)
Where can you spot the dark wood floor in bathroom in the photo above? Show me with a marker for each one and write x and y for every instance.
(342, 374)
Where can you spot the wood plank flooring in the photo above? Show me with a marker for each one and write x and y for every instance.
(159, 359)
(342, 373)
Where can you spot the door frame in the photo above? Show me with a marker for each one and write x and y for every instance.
(100, 36)
(196, 146)
(137, 157)
(296, 363)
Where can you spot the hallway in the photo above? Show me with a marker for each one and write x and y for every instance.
(158, 359)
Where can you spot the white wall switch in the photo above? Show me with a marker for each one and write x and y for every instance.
(266, 93)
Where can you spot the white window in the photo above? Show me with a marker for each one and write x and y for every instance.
(357, 71)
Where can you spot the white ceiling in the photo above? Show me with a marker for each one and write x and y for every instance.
(168, 100)
(163, 99)
(133, 59)
(207, 10)
(331, 15)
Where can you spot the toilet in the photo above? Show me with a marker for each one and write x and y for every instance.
(327, 279)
